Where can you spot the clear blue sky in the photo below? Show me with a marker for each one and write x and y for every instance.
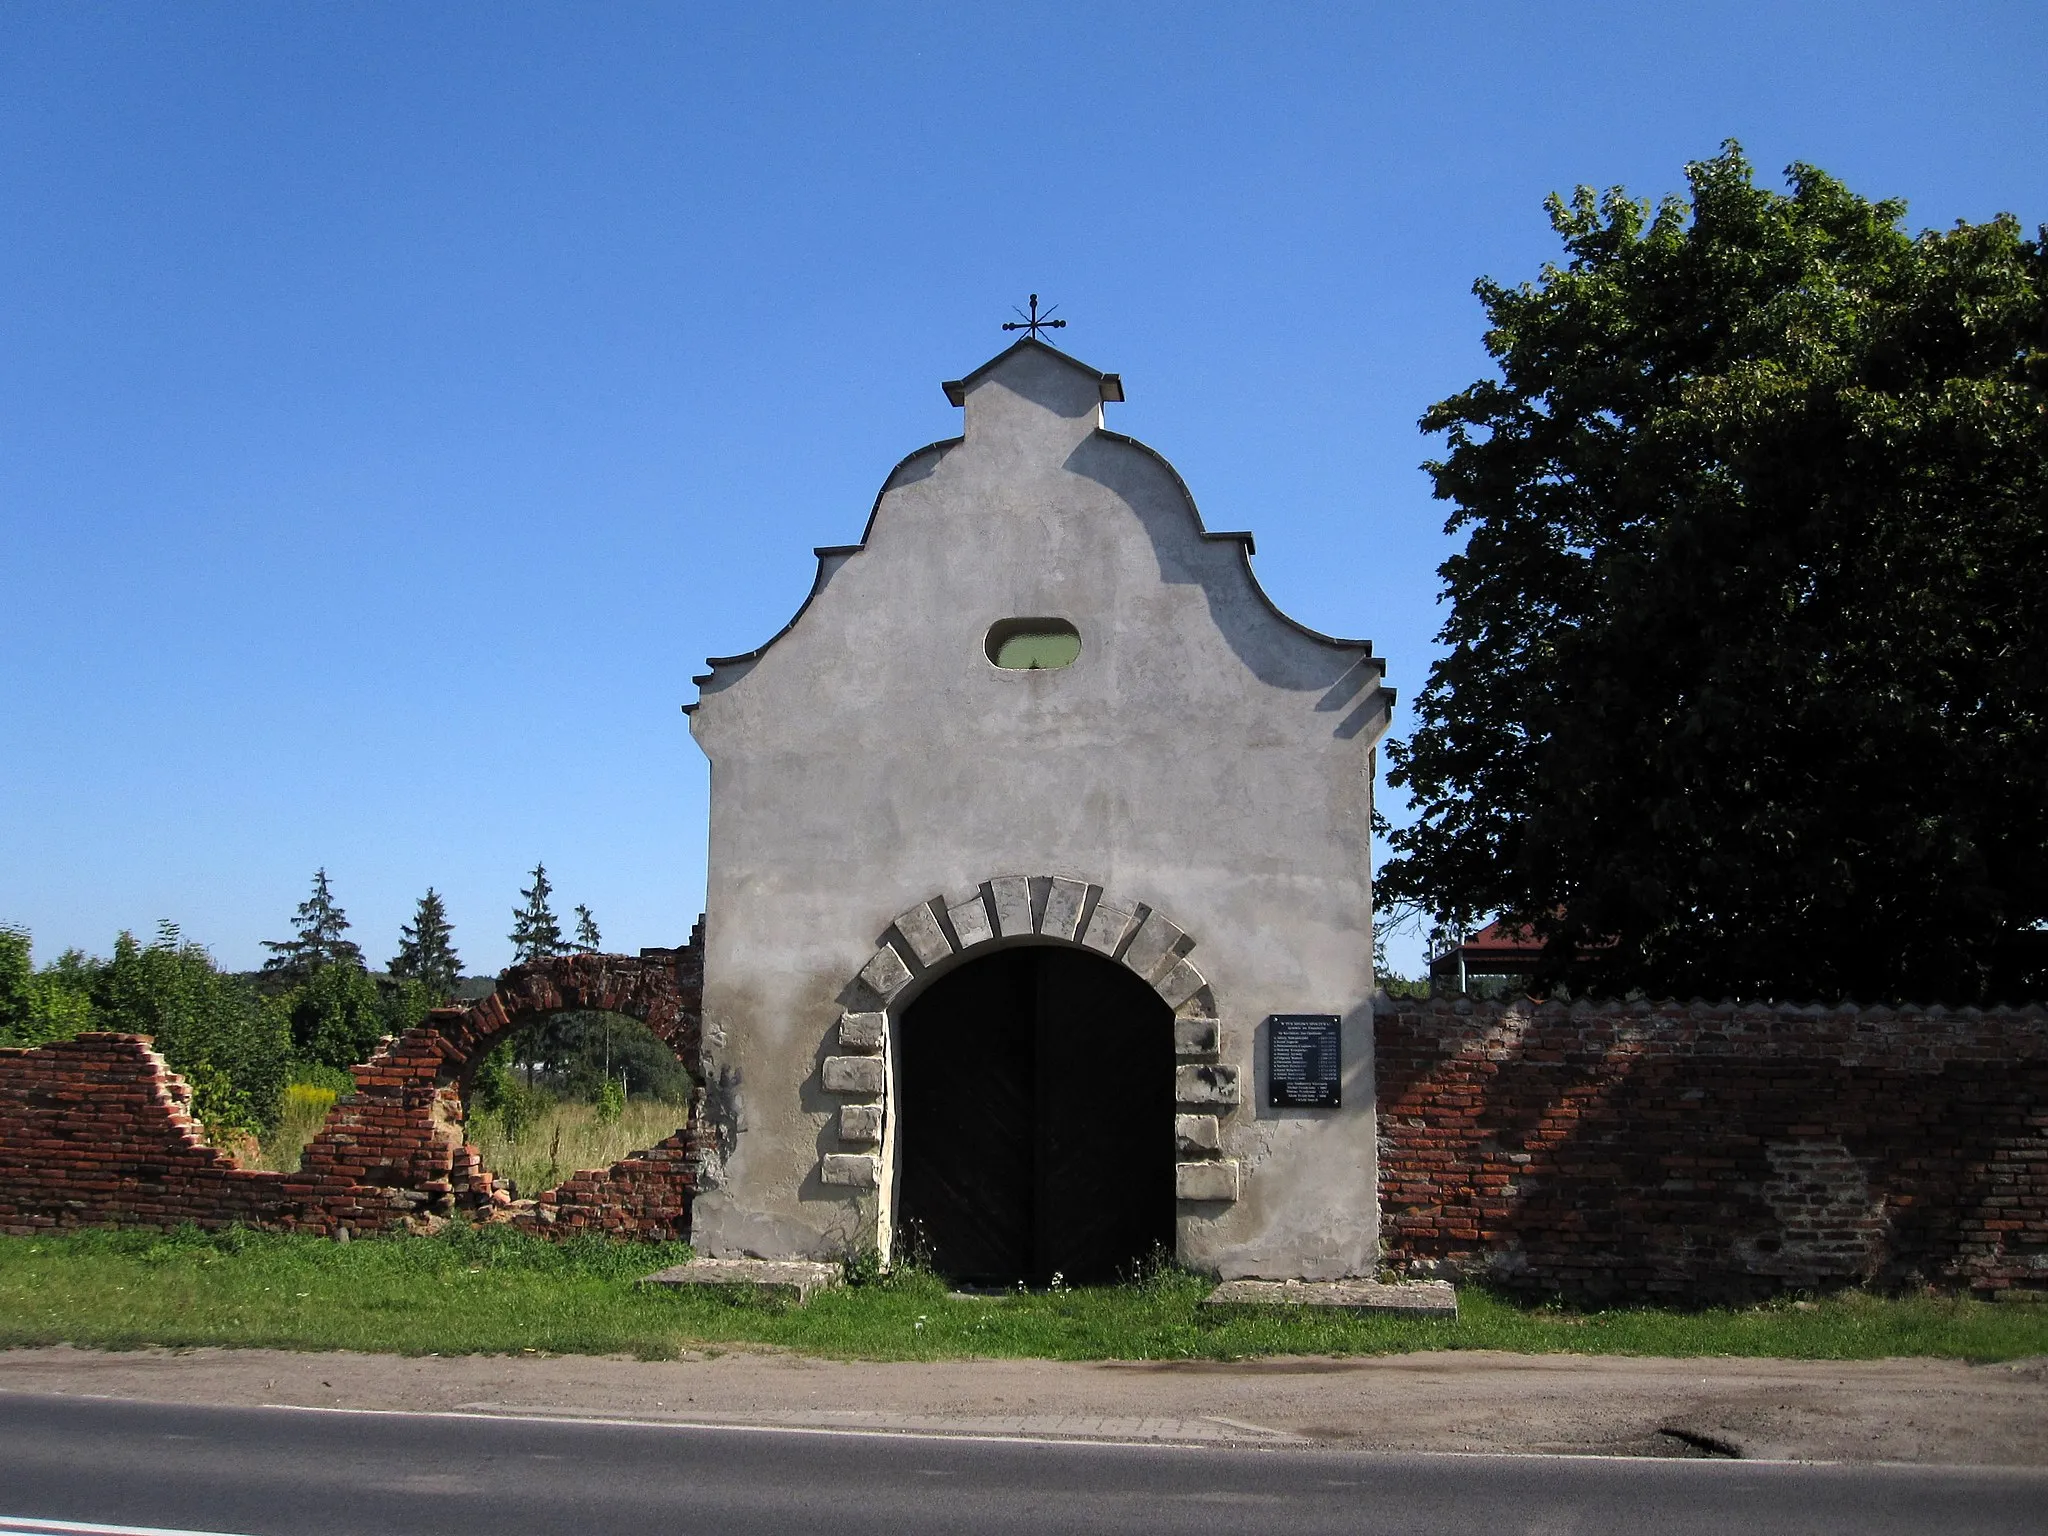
(400, 401)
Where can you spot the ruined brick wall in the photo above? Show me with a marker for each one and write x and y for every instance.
(1702, 1153)
(98, 1131)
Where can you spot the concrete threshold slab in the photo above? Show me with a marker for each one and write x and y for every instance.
(1407, 1298)
(795, 1279)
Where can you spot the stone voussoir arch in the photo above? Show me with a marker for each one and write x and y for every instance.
(937, 934)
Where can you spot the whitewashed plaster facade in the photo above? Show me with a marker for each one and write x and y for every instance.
(1192, 795)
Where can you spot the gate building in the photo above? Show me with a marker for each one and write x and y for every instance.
(1038, 930)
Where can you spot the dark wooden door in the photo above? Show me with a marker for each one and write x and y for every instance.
(1036, 1119)
(965, 1140)
(1105, 1119)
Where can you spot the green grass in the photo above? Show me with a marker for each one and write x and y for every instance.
(496, 1291)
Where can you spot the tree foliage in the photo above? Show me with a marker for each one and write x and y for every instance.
(236, 1045)
(576, 1052)
(536, 931)
(588, 940)
(228, 1041)
(317, 938)
(426, 949)
(17, 983)
(338, 1016)
(38, 1006)
(1743, 693)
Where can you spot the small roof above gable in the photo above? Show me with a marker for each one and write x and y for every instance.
(1110, 386)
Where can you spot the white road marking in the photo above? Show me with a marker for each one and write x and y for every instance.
(1090, 1428)
(91, 1528)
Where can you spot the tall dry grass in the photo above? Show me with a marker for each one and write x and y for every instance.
(305, 1111)
(569, 1137)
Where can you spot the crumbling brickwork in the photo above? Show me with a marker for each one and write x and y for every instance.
(1698, 1152)
(98, 1131)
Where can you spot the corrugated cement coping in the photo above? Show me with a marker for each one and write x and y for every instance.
(793, 1278)
(1407, 1298)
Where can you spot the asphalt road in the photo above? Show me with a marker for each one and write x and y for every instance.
(299, 1472)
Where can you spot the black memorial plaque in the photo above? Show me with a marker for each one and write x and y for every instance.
(1302, 1061)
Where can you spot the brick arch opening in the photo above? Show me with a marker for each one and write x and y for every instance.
(402, 1131)
(649, 988)
(920, 947)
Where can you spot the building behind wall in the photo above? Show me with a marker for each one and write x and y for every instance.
(1038, 706)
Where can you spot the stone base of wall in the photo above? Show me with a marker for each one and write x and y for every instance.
(1702, 1153)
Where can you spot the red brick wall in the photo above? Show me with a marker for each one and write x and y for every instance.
(97, 1131)
(1700, 1153)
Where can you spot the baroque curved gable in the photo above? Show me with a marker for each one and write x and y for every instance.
(1034, 424)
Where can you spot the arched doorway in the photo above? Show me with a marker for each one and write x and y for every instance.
(1037, 1092)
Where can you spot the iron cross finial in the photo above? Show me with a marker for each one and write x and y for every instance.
(1034, 322)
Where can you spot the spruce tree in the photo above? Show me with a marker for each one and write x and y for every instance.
(536, 931)
(426, 951)
(317, 939)
(588, 939)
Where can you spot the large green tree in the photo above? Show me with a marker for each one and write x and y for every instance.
(1743, 691)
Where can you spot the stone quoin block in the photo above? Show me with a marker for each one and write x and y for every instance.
(1012, 895)
(860, 1123)
(854, 1074)
(1154, 942)
(970, 921)
(926, 938)
(1194, 1135)
(1196, 1038)
(1216, 1180)
(1063, 900)
(860, 1170)
(862, 1032)
(1215, 1083)
(885, 974)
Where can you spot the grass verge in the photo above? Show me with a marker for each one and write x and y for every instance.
(496, 1291)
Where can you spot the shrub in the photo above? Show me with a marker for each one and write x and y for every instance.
(37, 1007)
(229, 1043)
(496, 1091)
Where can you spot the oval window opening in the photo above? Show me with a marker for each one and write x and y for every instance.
(1033, 645)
